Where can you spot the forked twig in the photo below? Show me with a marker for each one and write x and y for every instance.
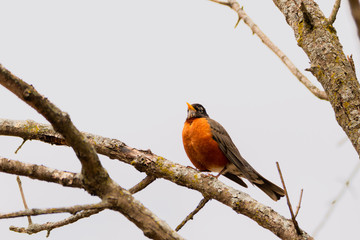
(296, 225)
(72, 210)
(192, 214)
(233, 4)
(35, 228)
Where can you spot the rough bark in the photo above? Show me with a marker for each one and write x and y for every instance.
(94, 177)
(233, 4)
(66, 179)
(319, 40)
(157, 166)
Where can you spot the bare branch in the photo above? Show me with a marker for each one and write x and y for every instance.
(93, 172)
(334, 12)
(296, 225)
(143, 184)
(36, 131)
(299, 204)
(328, 64)
(192, 214)
(355, 11)
(159, 167)
(221, 2)
(72, 210)
(212, 188)
(35, 228)
(16, 151)
(233, 4)
(23, 197)
(95, 178)
(39, 172)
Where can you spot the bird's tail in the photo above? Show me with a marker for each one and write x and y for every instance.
(273, 191)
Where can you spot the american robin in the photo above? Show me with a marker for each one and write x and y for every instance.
(210, 148)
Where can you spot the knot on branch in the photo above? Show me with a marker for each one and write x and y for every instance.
(315, 70)
(307, 16)
(27, 93)
(141, 163)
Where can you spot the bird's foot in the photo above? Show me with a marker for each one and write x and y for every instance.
(197, 169)
(209, 175)
(192, 168)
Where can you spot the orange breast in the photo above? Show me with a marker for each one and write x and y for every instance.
(202, 150)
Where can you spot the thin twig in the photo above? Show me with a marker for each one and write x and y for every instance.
(16, 151)
(221, 2)
(154, 165)
(298, 207)
(334, 12)
(296, 225)
(233, 4)
(23, 197)
(143, 184)
(192, 214)
(35, 228)
(95, 178)
(336, 200)
(72, 210)
(351, 61)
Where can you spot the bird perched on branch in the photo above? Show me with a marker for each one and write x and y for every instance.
(210, 148)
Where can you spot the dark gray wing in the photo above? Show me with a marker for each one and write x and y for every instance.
(235, 178)
(232, 153)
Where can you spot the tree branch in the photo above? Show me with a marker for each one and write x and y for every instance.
(35, 228)
(233, 4)
(293, 218)
(192, 214)
(328, 63)
(211, 188)
(299, 204)
(72, 210)
(93, 173)
(23, 198)
(39, 172)
(157, 166)
(95, 178)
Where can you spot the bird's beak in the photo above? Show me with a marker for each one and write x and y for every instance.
(190, 107)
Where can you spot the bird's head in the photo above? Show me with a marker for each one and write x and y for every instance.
(196, 110)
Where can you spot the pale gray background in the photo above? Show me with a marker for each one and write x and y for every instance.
(124, 69)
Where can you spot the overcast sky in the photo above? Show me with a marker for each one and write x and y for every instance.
(125, 70)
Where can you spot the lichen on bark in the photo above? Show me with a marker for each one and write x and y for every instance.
(328, 62)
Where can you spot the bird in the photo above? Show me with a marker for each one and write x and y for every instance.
(210, 149)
